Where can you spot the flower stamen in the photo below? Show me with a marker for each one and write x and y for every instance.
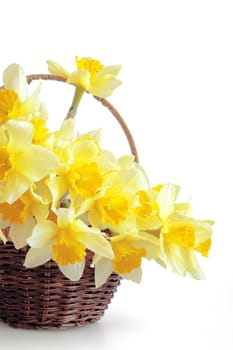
(92, 66)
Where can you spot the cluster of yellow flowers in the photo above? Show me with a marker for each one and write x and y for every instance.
(61, 194)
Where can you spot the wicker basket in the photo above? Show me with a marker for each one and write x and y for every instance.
(43, 297)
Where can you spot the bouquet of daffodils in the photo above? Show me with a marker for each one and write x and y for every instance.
(62, 195)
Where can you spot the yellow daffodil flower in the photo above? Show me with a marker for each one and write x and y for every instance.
(21, 162)
(15, 103)
(182, 235)
(83, 173)
(64, 196)
(146, 210)
(90, 75)
(113, 209)
(22, 215)
(129, 249)
(66, 243)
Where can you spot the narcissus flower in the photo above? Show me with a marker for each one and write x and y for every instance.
(129, 249)
(21, 162)
(15, 102)
(90, 75)
(114, 208)
(66, 243)
(22, 215)
(65, 197)
(182, 235)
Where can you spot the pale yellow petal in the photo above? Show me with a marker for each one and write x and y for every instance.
(15, 79)
(94, 135)
(40, 211)
(135, 275)
(166, 198)
(20, 135)
(32, 103)
(37, 256)
(19, 233)
(94, 240)
(85, 151)
(65, 216)
(103, 269)
(94, 218)
(172, 255)
(126, 162)
(203, 231)
(80, 78)
(109, 70)
(191, 264)
(74, 272)
(41, 192)
(43, 234)
(68, 130)
(37, 163)
(58, 188)
(151, 222)
(14, 187)
(56, 69)
(151, 244)
(104, 86)
(131, 180)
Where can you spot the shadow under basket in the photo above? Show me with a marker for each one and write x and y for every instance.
(44, 298)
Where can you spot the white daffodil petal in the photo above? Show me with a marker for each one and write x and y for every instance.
(131, 180)
(73, 271)
(37, 256)
(43, 234)
(68, 130)
(94, 240)
(20, 135)
(166, 198)
(65, 216)
(33, 102)
(19, 233)
(15, 79)
(126, 162)
(191, 264)
(135, 275)
(173, 257)
(103, 269)
(97, 244)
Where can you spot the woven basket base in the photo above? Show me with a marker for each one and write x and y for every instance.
(43, 298)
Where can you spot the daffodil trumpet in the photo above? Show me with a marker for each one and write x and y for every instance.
(62, 194)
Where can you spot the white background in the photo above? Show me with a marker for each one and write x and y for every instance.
(177, 59)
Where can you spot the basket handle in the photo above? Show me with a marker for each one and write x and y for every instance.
(104, 102)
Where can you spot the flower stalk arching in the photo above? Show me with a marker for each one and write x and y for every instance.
(78, 94)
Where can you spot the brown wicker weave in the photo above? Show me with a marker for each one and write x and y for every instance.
(42, 297)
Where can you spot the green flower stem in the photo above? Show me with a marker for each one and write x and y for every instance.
(76, 99)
